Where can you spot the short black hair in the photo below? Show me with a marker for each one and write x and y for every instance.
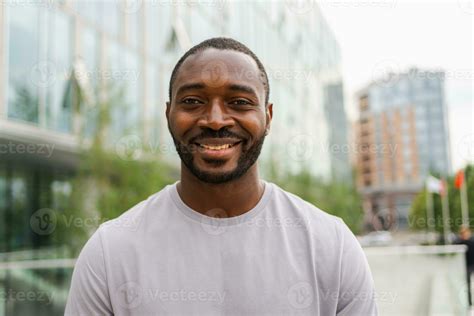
(222, 43)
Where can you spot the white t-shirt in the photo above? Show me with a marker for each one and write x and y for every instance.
(283, 257)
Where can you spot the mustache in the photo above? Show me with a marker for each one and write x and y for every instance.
(209, 133)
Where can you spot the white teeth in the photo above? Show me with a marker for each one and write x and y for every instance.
(216, 147)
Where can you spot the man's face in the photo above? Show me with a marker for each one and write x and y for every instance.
(217, 116)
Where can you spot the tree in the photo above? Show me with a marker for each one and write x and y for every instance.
(25, 104)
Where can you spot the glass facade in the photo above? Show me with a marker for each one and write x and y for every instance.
(424, 93)
(23, 54)
(59, 48)
(26, 187)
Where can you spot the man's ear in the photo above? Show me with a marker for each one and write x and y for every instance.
(268, 116)
(168, 105)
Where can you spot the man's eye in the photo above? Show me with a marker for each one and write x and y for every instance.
(240, 102)
(191, 101)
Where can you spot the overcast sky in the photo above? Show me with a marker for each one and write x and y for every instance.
(376, 35)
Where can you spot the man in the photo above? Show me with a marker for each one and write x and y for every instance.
(465, 238)
(221, 241)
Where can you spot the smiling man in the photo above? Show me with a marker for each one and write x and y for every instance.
(221, 241)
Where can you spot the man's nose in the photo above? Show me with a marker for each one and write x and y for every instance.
(216, 116)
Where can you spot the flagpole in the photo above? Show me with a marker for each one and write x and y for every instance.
(464, 207)
(445, 205)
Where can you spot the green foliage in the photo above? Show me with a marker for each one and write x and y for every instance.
(418, 218)
(25, 104)
(336, 198)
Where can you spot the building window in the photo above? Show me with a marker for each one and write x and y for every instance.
(58, 104)
(25, 189)
(110, 18)
(24, 34)
(125, 84)
(91, 10)
(134, 33)
(90, 55)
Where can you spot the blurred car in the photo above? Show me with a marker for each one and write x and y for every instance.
(377, 238)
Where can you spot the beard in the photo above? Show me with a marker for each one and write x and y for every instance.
(246, 160)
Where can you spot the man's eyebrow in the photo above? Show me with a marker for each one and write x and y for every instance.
(190, 86)
(233, 87)
(242, 88)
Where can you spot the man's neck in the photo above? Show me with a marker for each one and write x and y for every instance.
(229, 199)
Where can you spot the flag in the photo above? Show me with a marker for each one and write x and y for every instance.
(434, 185)
(458, 181)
